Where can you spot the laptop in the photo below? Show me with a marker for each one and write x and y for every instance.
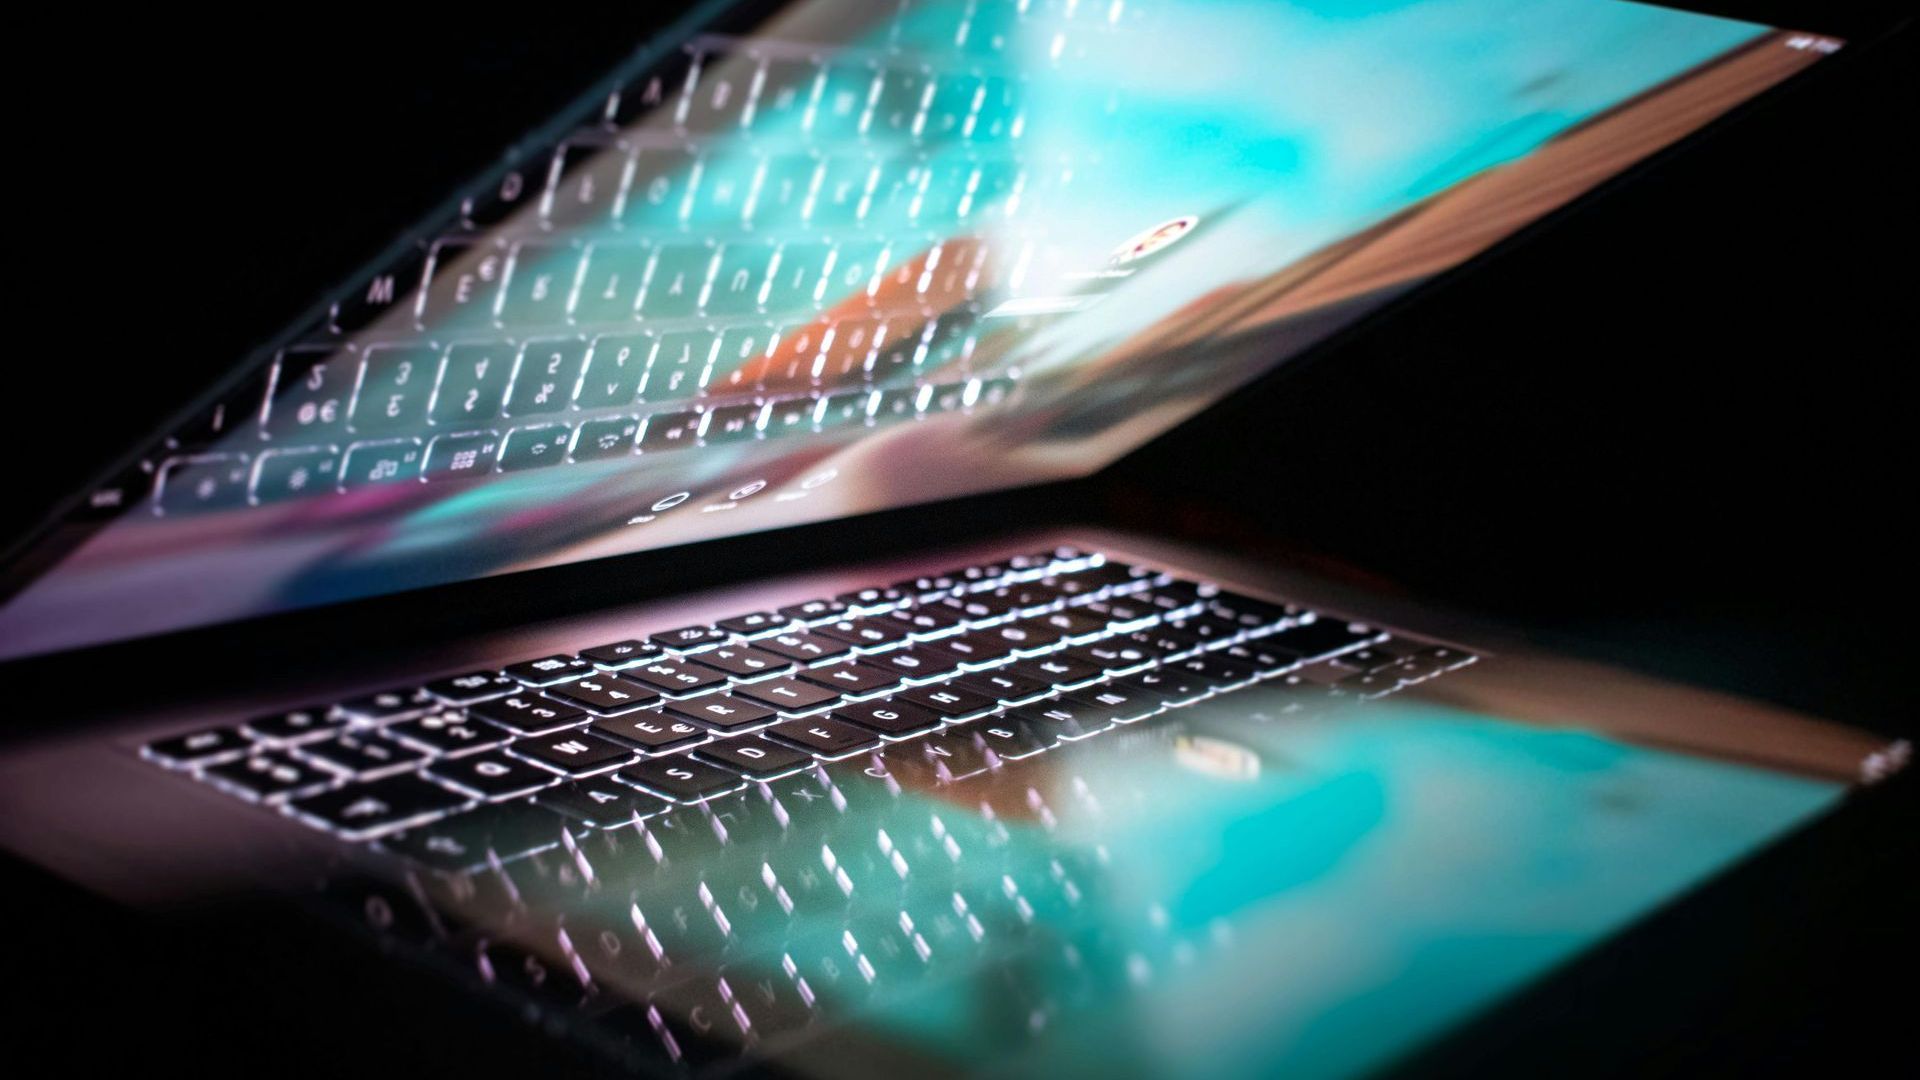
(666, 596)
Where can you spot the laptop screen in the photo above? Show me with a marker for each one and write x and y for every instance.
(864, 256)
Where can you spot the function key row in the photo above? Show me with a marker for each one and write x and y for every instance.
(189, 483)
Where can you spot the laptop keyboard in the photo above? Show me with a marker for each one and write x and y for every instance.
(696, 845)
(986, 664)
(759, 239)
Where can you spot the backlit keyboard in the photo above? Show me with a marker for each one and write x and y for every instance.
(968, 669)
(704, 847)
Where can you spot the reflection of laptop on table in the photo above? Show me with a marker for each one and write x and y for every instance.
(940, 791)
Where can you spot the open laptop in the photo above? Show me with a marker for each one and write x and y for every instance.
(593, 600)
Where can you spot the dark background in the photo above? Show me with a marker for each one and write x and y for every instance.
(1673, 432)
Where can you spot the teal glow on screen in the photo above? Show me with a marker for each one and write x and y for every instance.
(876, 255)
(1386, 875)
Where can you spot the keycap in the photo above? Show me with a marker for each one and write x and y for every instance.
(651, 730)
(199, 746)
(607, 694)
(620, 654)
(804, 646)
(462, 841)
(534, 445)
(461, 280)
(539, 279)
(1368, 658)
(814, 611)
(852, 679)
(976, 647)
(391, 396)
(1168, 685)
(1027, 597)
(1008, 739)
(601, 802)
(676, 280)
(1164, 642)
(1060, 671)
(721, 712)
(865, 633)
(1215, 672)
(928, 586)
(962, 607)
(1445, 656)
(1368, 684)
(871, 600)
(1320, 637)
(361, 811)
(544, 380)
(928, 622)
(392, 289)
(1115, 656)
(1060, 719)
(665, 431)
(681, 779)
(547, 670)
(605, 438)
(916, 662)
(465, 454)
(284, 473)
(360, 755)
(389, 705)
(1262, 653)
(1120, 611)
(1169, 601)
(1004, 685)
(753, 623)
(1245, 610)
(1073, 624)
(490, 775)
(380, 461)
(742, 661)
(953, 756)
(790, 696)
(525, 714)
(1117, 575)
(678, 678)
(681, 365)
(1116, 702)
(573, 753)
(888, 717)
(756, 759)
(472, 686)
(473, 386)
(689, 638)
(268, 776)
(308, 394)
(693, 1026)
(446, 733)
(1212, 630)
(826, 737)
(949, 701)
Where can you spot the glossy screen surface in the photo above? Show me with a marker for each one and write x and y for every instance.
(1238, 888)
(871, 255)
